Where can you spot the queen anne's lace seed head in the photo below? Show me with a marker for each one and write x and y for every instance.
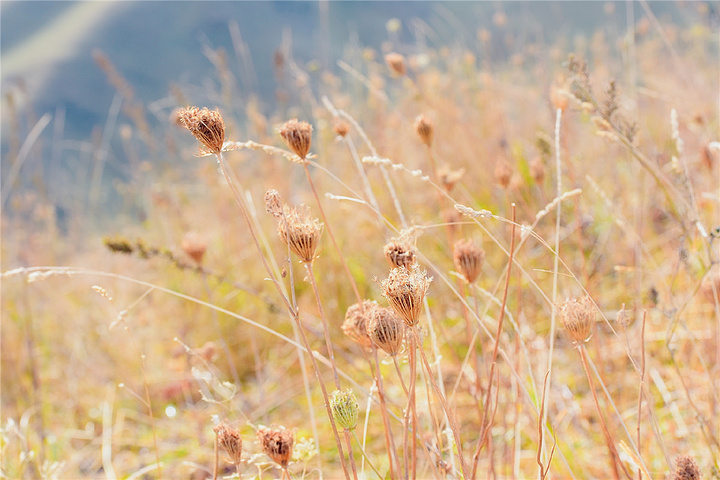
(578, 318)
(386, 330)
(405, 290)
(277, 443)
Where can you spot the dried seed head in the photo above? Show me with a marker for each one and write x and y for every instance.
(396, 62)
(537, 170)
(503, 173)
(277, 444)
(300, 232)
(578, 318)
(207, 126)
(386, 330)
(341, 128)
(405, 290)
(468, 259)
(449, 178)
(425, 130)
(400, 253)
(356, 320)
(273, 203)
(297, 136)
(686, 469)
(229, 439)
(345, 408)
(194, 246)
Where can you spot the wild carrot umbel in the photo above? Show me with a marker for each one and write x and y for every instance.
(229, 439)
(277, 443)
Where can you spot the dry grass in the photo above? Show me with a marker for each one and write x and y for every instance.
(124, 359)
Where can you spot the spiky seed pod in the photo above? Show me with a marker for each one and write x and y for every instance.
(578, 318)
(405, 290)
(686, 469)
(277, 444)
(345, 408)
(194, 246)
(396, 63)
(425, 130)
(356, 320)
(400, 253)
(297, 136)
(537, 170)
(503, 173)
(273, 203)
(229, 439)
(300, 232)
(449, 178)
(341, 128)
(386, 330)
(468, 259)
(207, 126)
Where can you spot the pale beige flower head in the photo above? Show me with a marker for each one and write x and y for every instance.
(298, 137)
(468, 259)
(357, 317)
(207, 126)
(578, 318)
(425, 130)
(405, 291)
(400, 252)
(386, 330)
(229, 439)
(277, 443)
(301, 232)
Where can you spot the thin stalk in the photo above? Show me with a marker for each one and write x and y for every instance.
(397, 369)
(443, 402)
(215, 465)
(330, 233)
(486, 426)
(410, 407)
(614, 456)
(642, 385)
(389, 441)
(366, 457)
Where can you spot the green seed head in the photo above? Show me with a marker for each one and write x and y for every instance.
(345, 408)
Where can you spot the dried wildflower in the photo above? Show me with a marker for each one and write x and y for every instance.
(297, 136)
(400, 253)
(425, 130)
(229, 439)
(449, 178)
(273, 203)
(405, 290)
(537, 170)
(468, 259)
(356, 320)
(194, 246)
(578, 318)
(277, 444)
(386, 330)
(345, 408)
(396, 62)
(341, 128)
(207, 126)
(503, 173)
(686, 469)
(300, 232)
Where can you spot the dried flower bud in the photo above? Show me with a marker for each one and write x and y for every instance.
(396, 62)
(341, 128)
(386, 330)
(277, 444)
(300, 232)
(229, 439)
(194, 246)
(297, 136)
(537, 170)
(686, 469)
(405, 290)
(468, 259)
(503, 173)
(425, 130)
(449, 178)
(207, 126)
(356, 320)
(400, 253)
(273, 203)
(345, 408)
(578, 318)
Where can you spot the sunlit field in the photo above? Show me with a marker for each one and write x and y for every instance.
(492, 258)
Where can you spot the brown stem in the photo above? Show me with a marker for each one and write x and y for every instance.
(642, 383)
(389, 441)
(332, 237)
